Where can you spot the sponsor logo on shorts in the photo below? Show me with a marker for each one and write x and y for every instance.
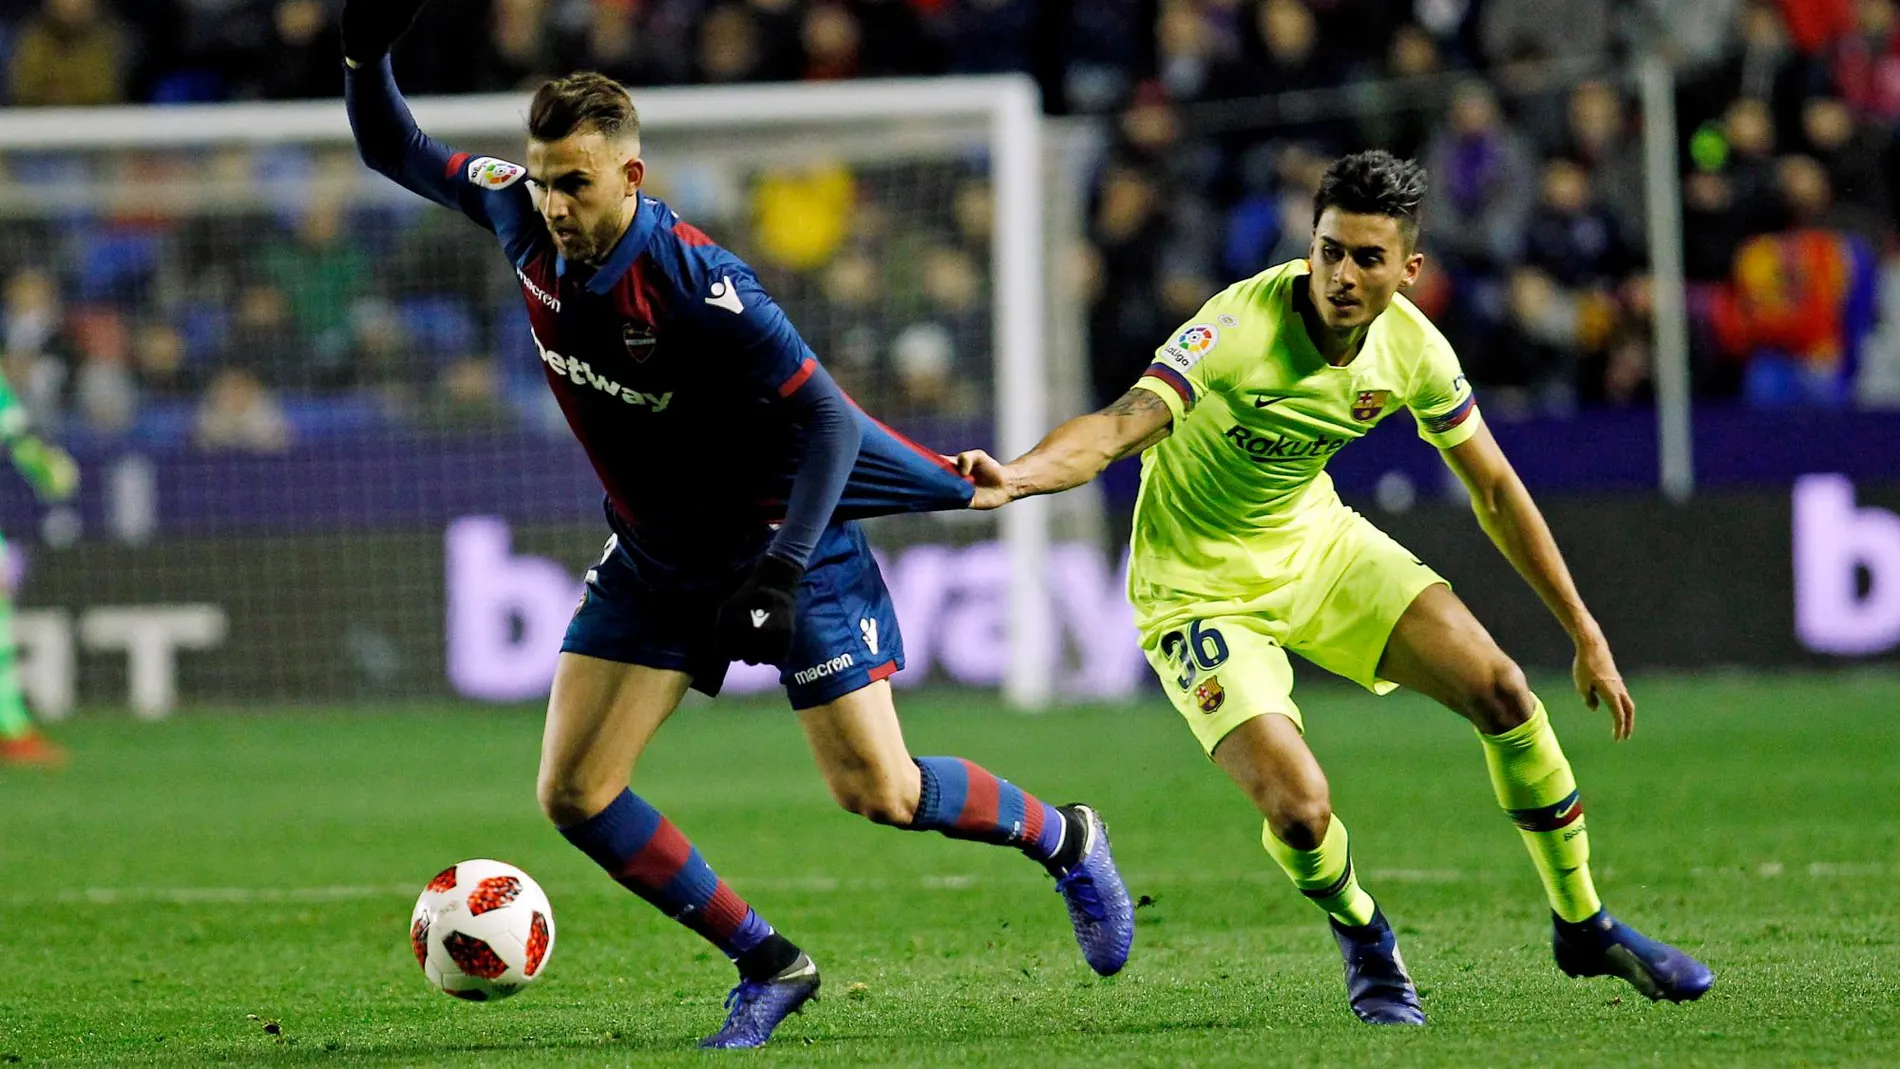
(1209, 695)
(820, 671)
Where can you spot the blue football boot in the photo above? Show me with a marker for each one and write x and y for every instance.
(1605, 946)
(1377, 984)
(1099, 908)
(759, 1005)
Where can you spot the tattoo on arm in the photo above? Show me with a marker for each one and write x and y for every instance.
(1140, 403)
(1135, 402)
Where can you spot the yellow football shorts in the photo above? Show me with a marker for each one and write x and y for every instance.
(1223, 660)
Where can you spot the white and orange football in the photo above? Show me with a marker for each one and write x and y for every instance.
(482, 930)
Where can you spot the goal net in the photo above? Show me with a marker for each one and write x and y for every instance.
(320, 464)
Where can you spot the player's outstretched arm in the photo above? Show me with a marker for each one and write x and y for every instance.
(1073, 453)
(386, 133)
(371, 28)
(1507, 513)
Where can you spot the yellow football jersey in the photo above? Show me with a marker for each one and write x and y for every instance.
(1240, 480)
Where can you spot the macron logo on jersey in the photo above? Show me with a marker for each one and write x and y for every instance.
(726, 295)
(537, 292)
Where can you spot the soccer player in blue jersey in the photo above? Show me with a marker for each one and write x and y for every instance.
(708, 421)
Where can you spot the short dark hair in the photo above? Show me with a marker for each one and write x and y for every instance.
(581, 102)
(1374, 183)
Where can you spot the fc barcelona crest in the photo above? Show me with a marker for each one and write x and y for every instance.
(1210, 695)
(639, 340)
(1369, 405)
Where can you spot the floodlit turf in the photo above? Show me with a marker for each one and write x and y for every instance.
(236, 889)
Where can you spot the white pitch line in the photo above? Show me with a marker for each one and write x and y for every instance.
(112, 896)
(107, 896)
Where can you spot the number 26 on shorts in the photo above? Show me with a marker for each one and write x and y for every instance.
(1197, 649)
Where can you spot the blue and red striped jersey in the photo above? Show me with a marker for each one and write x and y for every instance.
(685, 382)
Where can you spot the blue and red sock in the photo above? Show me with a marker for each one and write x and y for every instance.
(963, 800)
(642, 850)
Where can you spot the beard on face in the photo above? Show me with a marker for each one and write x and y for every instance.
(587, 244)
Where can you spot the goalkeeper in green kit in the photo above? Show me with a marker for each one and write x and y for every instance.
(54, 477)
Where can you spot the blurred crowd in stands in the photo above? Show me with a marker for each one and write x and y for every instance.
(287, 313)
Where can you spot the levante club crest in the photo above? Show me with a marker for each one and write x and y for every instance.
(1369, 405)
(1210, 694)
(639, 340)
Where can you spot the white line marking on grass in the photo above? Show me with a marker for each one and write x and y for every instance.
(950, 883)
(111, 896)
(956, 882)
(1852, 870)
(1774, 870)
(1416, 875)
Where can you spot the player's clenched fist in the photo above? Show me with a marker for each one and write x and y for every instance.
(755, 623)
(370, 27)
(989, 475)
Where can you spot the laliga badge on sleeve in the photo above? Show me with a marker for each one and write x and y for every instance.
(491, 173)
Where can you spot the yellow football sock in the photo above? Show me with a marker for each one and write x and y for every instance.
(1324, 874)
(1535, 786)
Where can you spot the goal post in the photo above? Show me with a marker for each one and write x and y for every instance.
(171, 223)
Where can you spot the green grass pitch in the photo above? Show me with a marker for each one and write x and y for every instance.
(186, 884)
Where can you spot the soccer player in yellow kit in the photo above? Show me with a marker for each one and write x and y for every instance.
(1243, 551)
